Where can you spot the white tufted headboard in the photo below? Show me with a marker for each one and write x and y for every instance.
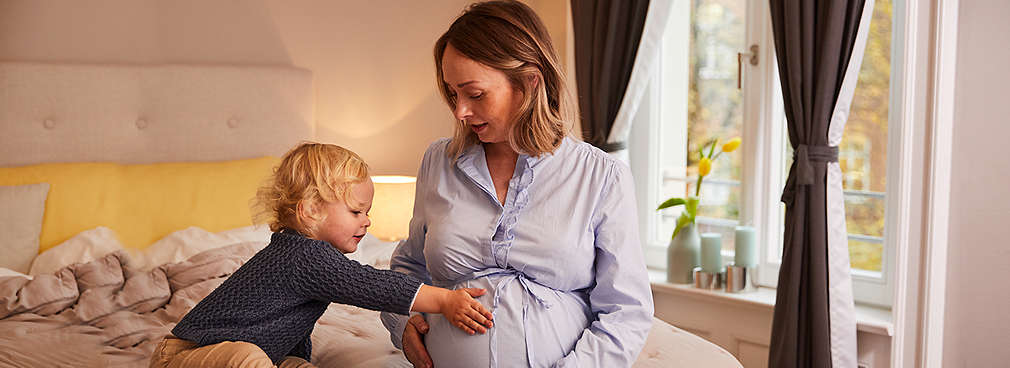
(157, 113)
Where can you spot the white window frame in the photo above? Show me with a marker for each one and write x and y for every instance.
(763, 127)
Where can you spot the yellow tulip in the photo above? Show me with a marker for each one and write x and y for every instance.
(704, 166)
(732, 145)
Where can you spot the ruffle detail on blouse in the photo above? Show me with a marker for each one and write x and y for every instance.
(504, 235)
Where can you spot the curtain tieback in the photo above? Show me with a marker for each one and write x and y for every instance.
(802, 172)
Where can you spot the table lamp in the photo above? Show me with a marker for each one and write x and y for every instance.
(392, 206)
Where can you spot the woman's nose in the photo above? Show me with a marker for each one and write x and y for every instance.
(462, 111)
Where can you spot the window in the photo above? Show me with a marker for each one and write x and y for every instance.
(863, 152)
(695, 97)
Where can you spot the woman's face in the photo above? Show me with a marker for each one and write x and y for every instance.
(485, 99)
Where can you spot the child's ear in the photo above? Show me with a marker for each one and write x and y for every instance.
(307, 211)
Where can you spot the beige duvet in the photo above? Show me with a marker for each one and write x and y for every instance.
(103, 314)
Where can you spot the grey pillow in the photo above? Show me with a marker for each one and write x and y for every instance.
(21, 210)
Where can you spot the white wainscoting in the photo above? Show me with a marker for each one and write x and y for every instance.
(741, 323)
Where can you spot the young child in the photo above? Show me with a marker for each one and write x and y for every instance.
(318, 201)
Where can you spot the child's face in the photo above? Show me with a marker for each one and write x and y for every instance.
(343, 226)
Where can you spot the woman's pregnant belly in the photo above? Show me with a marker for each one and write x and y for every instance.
(546, 336)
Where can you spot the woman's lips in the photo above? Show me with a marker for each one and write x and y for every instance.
(478, 128)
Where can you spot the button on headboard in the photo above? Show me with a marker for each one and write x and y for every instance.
(156, 113)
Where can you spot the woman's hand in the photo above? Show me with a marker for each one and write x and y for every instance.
(413, 342)
(463, 311)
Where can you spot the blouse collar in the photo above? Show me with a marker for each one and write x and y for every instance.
(472, 157)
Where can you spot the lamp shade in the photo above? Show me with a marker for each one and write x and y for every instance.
(392, 206)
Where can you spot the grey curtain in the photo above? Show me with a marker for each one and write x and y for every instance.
(607, 33)
(813, 41)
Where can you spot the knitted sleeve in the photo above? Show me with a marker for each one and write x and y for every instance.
(325, 274)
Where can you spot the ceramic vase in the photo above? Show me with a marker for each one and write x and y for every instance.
(683, 255)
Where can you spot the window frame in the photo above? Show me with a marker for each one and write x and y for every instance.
(763, 127)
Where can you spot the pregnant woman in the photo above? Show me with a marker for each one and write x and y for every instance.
(512, 204)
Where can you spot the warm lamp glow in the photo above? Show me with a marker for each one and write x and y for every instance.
(392, 206)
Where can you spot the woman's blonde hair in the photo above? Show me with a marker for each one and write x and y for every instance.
(510, 37)
(309, 174)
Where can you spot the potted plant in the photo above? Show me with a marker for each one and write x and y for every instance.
(684, 251)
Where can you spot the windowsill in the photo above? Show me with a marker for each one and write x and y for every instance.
(869, 319)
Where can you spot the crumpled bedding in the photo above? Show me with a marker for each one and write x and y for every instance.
(105, 314)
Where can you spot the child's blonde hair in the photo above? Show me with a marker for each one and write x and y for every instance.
(307, 175)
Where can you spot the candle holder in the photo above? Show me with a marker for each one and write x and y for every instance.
(707, 280)
(741, 279)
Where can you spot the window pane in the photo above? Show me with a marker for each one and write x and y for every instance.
(710, 106)
(863, 151)
(865, 253)
(715, 104)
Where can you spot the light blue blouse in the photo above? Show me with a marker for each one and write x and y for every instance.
(561, 260)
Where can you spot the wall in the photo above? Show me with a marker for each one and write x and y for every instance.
(374, 73)
(742, 323)
(372, 63)
(140, 31)
(976, 325)
(742, 329)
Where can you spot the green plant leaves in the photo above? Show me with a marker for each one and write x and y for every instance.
(671, 202)
(691, 207)
(682, 221)
(687, 216)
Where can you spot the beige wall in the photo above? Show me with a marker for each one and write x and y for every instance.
(374, 73)
(977, 326)
(557, 16)
(140, 31)
(371, 60)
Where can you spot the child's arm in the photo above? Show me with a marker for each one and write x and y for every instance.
(458, 306)
(324, 274)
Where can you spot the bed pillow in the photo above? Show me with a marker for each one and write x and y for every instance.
(145, 202)
(84, 247)
(21, 211)
(183, 244)
(180, 245)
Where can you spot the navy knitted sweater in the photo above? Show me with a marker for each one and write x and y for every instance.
(275, 299)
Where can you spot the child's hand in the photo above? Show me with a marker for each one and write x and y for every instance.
(463, 311)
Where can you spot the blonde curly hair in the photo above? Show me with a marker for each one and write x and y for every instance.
(309, 174)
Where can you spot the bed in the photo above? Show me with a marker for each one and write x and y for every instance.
(124, 199)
